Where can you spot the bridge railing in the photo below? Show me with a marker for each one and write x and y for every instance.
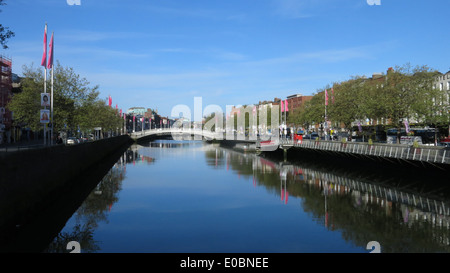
(400, 151)
(175, 131)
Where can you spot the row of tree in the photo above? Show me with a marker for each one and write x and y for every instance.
(404, 93)
(76, 105)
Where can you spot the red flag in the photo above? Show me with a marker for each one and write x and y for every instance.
(282, 108)
(50, 53)
(326, 97)
(109, 101)
(332, 95)
(44, 56)
(286, 106)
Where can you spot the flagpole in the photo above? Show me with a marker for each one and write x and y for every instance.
(45, 107)
(51, 109)
(50, 62)
(325, 124)
(44, 63)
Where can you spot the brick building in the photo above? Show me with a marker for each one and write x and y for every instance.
(296, 101)
(5, 96)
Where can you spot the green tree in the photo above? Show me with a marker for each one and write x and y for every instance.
(312, 112)
(431, 104)
(75, 102)
(350, 101)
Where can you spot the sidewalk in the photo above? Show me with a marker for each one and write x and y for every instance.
(37, 143)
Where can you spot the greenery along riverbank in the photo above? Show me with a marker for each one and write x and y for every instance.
(403, 93)
(77, 105)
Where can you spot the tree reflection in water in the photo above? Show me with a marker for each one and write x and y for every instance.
(93, 210)
(403, 213)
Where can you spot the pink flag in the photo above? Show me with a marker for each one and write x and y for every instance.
(286, 106)
(50, 53)
(282, 108)
(109, 101)
(332, 95)
(44, 56)
(326, 97)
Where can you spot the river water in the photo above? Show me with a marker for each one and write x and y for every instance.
(194, 197)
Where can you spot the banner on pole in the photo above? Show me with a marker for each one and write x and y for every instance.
(50, 54)
(44, 116)
(44, 55)
(45, 99)
(406, 125)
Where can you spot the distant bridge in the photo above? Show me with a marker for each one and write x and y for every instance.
(184, 134)
(172, 132)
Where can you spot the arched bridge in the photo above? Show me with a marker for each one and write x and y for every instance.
(176, 133)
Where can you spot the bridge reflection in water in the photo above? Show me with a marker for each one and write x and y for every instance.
(402, 213)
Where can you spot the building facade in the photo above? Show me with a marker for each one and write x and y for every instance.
(296, 101)
(443, 82)
(5, 96)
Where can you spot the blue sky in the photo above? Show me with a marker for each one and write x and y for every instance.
(160, 53)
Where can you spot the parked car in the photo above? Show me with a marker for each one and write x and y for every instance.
(72, 141)
(313, 136)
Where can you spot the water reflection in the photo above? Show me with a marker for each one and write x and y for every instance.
(132, 156)
(401, 217)
(96, 207)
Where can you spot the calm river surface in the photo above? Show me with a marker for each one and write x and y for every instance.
(193, 197)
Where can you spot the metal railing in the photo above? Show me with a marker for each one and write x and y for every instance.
(149, 132)
(399, 151)
(15, 148)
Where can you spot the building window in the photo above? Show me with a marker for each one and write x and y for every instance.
(448, 86)
(441, 86)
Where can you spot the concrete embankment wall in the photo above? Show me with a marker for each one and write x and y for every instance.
(32, 179)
